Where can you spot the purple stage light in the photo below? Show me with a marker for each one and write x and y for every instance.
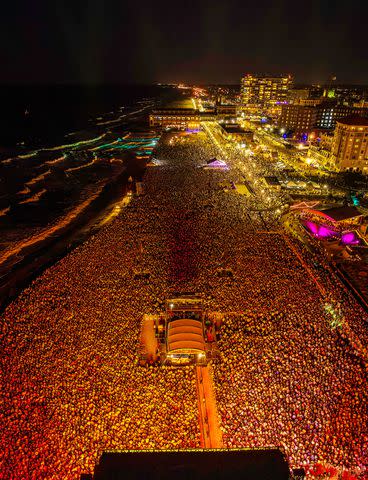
(325, 232)
(312, 227)
(349, 238)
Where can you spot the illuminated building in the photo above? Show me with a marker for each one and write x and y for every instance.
(176, 118)
(264, 89)
(296, 94)
(326, 139)
(309, 102)
(235, 133)
(320, 149)
(179, 115)
(361, 104)
(329, 112)
(349, 94)
(299, 119)
(208, 115)
(308, 115)
(329, 93)
(350, 144)
(225, 111)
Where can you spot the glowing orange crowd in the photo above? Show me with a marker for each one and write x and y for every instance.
(72, 386)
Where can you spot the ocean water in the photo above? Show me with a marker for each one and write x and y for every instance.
(59, 145)
(39, 115)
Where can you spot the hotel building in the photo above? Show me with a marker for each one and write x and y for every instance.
(179, 118)
(350, 144)
(179, 115)
(264, 89)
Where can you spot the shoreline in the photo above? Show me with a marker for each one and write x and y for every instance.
(41, 254)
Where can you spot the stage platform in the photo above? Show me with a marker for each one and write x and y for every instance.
(211, 464)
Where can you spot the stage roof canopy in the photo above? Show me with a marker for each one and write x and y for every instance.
(216, 163)
(185, 334)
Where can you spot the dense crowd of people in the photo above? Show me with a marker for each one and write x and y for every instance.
(73, 386)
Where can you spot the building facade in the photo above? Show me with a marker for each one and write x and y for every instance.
(303, 118)
(236, 133)
(264, 90)
(176, 118)
(309, 102)
(296, 94)
(330, 112)
(350, 144)
(300, 119)
(226, 111)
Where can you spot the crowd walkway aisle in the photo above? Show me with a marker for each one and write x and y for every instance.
(211, 435)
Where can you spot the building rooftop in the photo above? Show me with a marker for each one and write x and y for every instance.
(233, 128)
(338, 214)
(247, 464)
(273, 181)
(185, 335)
(265, 75)
(226, 105)
(185, 102)
(354, 120)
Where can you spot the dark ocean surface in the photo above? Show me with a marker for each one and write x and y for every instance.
(61, 145)
(39, 115)
(67, 157)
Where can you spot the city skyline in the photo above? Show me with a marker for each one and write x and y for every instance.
(205, 43)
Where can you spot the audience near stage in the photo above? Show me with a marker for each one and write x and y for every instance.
(72, 386)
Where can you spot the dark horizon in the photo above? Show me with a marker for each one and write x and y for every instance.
(217, 43)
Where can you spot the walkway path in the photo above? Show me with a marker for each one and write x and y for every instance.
(148, 338)
(211, 436)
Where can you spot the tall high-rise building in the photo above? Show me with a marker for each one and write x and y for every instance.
(264, 89)
(350, 143)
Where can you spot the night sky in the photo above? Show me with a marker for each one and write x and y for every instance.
(110, 41)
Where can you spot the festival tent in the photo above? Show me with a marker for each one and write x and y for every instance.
(215, 163)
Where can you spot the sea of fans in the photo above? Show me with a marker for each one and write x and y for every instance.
(72, 384)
